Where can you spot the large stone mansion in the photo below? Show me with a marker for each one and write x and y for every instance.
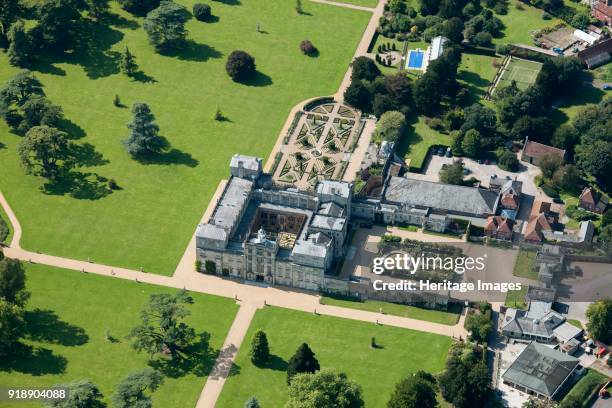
(281, 235)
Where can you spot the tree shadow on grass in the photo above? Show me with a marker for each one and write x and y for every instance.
(258, 79)
(198, 359)
(73, 130)
(85, 155)
(173, 156)
(35, 361)
(45, 326)
(212, 19)
(192, 51)
(230, 2)
(82, 186)
(91, 50)
(118, 21)
(46, 67)
(276, 363)
(140, 76)
(2, 146)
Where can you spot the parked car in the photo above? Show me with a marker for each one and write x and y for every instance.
(606, 87)
(448, 152)
(557, 200)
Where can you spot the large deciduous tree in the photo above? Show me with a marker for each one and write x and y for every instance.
(365, 69)
(12, 326)
(324, 389)
(139, 7)
(418, 390)
(465, 382)
(165, 25)
(391, 126)
(9, 13)
(19, 48)
(57, 20)
(12, 282)
(599, 325)
(162, 329)
(144, 133)
(135, 389)
(45, 151)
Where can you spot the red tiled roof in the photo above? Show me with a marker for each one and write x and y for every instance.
(509, 200)
(499, 223)
(539, 207)
(534, 229)
(535, 149)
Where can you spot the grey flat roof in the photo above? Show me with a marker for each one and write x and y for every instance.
(310, 248)
(331, 209)
(420, 193)
(247, 162)
(234, 199)
(567, 331)
(541, 369)
(330, 223)
(331, 187)
(211, 232)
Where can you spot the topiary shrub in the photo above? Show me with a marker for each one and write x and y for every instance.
(202, 12)
(210, 267)
(308, 48)
(240, 65)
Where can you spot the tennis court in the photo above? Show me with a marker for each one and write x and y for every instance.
(523, 72)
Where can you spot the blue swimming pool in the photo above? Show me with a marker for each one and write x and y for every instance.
(415, 59)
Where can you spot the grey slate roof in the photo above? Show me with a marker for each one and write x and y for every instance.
(540, 368)
(420, 193)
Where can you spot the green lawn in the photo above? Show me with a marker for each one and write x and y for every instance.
(72, 311)
(524, 266)
(516, 298)
(449, 318)
(575, 323)
(586, 385)
(417, 140)
(341, 344)
(520, 23)
(364, 3)
(476, 72)
(604, 72)
(149, 221)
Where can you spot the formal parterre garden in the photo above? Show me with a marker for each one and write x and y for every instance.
(316, 145)
(341, 344)
(77, 326)
(148, 220)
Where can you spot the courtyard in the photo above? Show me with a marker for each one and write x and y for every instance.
(319, 145)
